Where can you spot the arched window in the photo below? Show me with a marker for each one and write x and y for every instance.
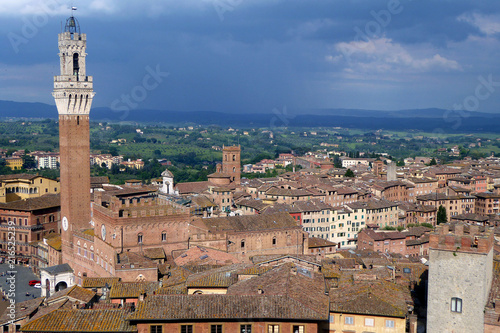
(139, 238)
(164, 236)
(234, 157)
(274, 240)
(242, 243)
(76, 65)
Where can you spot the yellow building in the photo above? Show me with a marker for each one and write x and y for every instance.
(14, 163)
(369, 306)
(24, 186)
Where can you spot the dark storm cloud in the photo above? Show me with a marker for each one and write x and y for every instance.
(242, 55)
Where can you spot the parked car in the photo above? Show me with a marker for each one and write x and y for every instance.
(33, 282)
(38, 285)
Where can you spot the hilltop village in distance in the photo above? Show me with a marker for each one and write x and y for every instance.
(334, 239)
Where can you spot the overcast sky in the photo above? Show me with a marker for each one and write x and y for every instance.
(257, 55)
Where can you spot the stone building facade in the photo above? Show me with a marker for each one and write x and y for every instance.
(460, 276)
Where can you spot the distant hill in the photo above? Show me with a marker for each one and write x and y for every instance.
(429, 120)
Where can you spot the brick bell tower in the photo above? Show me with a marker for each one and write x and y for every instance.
(231, 164)
(73, 94)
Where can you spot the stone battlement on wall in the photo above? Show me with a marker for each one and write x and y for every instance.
(461, 237)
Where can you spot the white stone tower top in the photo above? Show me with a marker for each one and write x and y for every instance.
(73, 89)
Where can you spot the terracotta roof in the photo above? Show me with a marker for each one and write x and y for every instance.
(442, 196)
(175, 276)
(179, 289)
(216, 280)
(82, 321)
(98, 180)
(219, 175)
(315, 242)
(203, 256)
(31, 204)
(192, 187)
(250, 222)
(259, 259)
(75, 292)
(89, 232)
(255, 270)
(55, 242)
(417, 231)
(372, 204)
(132, 289)
(131, 260)
(201, 201)
(98, 282)
(23, 309)
(274, 191)
(371, 298)
(470, 217)
(18, 176)
(154, 253)
(192, 307)
(252, 203)
(288, 279)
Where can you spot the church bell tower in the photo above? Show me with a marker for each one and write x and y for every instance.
(73, 94)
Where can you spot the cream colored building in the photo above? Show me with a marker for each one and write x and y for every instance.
(345, 224)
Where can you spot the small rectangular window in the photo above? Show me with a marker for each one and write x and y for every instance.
(246, 328)
(215, 328)
(369, 322)
(155, 329)
(456, 304)
(298, 329)
(186, 328)
(389, 323)
(349, 320)
(273, 328)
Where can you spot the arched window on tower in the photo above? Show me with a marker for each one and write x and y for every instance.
(234, 157)
(76, 65)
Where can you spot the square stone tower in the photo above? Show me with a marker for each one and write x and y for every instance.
(73, 94)
(460, 276)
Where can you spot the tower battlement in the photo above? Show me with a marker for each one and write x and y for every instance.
(461, 237)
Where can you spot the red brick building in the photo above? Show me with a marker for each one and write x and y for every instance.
(382, 241)
(32, 219)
